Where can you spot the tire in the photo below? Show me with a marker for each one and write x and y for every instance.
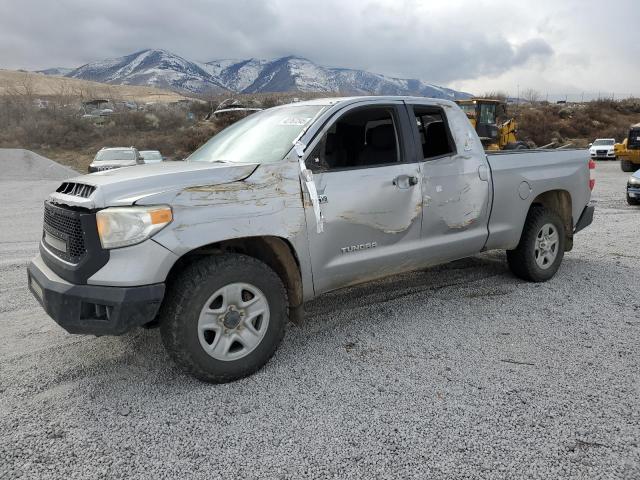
(242, 286)
(632, 201)
(519, 145)
(627, 166)
(525, 260)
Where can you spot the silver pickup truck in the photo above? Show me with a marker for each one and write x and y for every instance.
(221, 250)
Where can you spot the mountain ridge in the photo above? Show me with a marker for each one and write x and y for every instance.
(163, 69)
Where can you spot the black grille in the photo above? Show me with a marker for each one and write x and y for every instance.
(76, 189)
(64, 225)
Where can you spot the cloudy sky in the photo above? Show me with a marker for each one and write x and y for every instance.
(554, 46)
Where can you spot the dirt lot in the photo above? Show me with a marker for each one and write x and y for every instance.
(459, 371)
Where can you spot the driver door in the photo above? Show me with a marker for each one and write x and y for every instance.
(370, 197)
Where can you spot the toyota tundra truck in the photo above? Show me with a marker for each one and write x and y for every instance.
(222, 250)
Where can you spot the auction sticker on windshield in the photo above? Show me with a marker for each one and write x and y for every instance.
(299, 121)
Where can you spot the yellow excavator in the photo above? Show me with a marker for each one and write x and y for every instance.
(483, 114)
(629, 150)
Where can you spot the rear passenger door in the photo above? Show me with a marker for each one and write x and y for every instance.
(370, 196)
(455, 183)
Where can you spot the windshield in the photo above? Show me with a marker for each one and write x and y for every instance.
(115, 155)
(263, 137)
(487, 114)
(603, 142)
(151, 155)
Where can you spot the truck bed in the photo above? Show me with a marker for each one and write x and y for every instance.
(524, 175)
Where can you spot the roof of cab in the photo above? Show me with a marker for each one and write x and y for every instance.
(347, 100)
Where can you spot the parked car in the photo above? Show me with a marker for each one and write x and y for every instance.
(603, 149)
(221, 250)
(151, 156)
(110, 158)
(633, 189)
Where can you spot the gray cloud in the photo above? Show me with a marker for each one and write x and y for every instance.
(410, 38)
(533, 48)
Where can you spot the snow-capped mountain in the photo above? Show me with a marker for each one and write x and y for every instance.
(299, 74)
(160, 68)
(153, 68)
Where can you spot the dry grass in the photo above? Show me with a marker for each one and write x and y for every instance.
(577, 124)
(36, 84)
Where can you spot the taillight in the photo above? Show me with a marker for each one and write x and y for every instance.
(592, 181)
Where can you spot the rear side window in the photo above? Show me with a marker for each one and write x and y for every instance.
(433, 132)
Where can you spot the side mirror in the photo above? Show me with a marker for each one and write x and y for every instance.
(589, 146)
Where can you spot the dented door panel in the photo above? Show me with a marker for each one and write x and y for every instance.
(371, 215)
(371, 226)
(456, 194)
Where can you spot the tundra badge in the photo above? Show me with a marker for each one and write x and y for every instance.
(362, 246)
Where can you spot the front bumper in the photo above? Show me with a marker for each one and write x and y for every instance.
(103, 168)
(603, 156)
(93, 309)
(633, 191)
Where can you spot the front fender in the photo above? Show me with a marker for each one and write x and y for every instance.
(268, 203)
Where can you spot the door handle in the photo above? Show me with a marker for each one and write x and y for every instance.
(405, 181)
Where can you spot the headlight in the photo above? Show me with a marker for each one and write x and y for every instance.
(123, 226)
(634, 181)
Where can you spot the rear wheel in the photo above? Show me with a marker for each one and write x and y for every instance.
(627, 166)
(539, 253)
(224, 317)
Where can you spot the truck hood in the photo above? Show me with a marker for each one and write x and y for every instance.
(126, 186)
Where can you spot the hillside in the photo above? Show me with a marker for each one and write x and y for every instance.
(41, 85)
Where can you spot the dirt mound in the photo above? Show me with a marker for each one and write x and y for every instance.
(19, 164)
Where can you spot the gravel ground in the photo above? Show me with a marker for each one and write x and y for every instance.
(460, 371)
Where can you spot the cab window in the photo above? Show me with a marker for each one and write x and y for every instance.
(433, 132)
(361, 138)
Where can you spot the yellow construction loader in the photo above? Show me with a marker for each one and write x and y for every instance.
(629, 150)
(483, 114)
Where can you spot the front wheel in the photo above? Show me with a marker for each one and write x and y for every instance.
(224, 317)
(627, 166)
(539, 253)
(633, 201)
